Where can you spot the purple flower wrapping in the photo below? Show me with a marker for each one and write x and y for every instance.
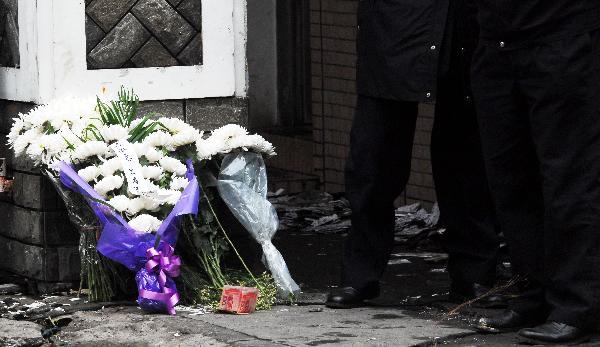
(119, 242)
(147, 281)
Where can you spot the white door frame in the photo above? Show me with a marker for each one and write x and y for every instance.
(53, 58)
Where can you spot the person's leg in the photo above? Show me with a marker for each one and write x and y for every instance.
(377, 171)
(466, 208)
(562, 83)
(513, 172)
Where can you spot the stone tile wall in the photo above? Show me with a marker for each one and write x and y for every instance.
(143, 33)
(36, 238)
(204, 114)
(9, 34)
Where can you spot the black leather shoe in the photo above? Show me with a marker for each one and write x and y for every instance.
(349, 297)
(556, 333)
(507, 321)
(462, 292)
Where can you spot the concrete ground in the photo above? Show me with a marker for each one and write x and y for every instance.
(412, 311)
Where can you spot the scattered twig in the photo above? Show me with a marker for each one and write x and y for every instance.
(495, 290)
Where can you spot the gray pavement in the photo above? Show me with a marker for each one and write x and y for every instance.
(412, 311)
(281, 326)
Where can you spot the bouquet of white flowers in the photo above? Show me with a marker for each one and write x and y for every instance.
(92, 136)
(137, 175)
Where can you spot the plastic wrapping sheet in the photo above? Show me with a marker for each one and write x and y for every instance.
(80, 213)
(88, 225)
(242, 184)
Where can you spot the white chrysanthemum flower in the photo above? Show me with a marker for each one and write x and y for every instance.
(150, 185)
(208, 148)
(38, 116)
(145, 223)
(113, 133)
(159, 139)
(70, 138)
(173, 165)
(186, 137)
(90, 149)
(109, 167)
(152, 172)
(143, 149)
(179, 183)
(153, 155)
(53, 144)
(70, 107)
(89, 173)
(254, 143)
(175, 125)
(135, 206)
(108, 184)
(140, 148)
(34, 151)
(150, 204)
(258, 144)
(119, 203)
(62, 111)
(229, 131)
(46, 147)
(169, 197)
(18, 126)
(227, 137)
(78, 127)
(25, 139)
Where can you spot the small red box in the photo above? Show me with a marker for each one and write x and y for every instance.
(238, 300)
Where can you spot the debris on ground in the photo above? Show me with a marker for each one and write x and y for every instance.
(315, 212)
(9, 288)
(413, 223)
(27, 307)
(324, 213)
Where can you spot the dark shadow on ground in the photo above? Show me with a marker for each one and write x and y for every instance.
(416, 281)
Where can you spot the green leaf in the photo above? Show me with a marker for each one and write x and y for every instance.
(121, 111)
(48, 128)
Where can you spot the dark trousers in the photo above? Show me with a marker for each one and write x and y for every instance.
(378, 169)
(539, 117)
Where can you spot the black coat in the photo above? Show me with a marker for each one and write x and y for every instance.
(402, 45)
(510, 24)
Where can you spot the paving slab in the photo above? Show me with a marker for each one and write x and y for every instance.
(20, 333)
(282, 326)
(129, 326)
(318, 326)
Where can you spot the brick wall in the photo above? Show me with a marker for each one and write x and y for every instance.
(333, 66)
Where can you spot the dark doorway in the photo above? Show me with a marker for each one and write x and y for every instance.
(293, 65)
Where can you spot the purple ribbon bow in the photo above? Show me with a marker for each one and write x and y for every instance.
(165, 263)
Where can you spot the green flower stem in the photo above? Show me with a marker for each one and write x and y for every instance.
(229, 240)
(210, 262)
